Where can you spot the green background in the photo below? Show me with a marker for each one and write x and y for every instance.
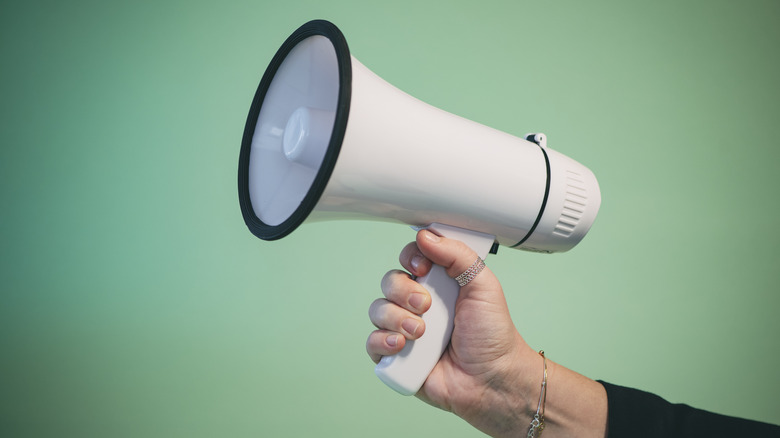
(136, 303)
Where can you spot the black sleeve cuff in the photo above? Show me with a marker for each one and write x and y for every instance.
(638, 414)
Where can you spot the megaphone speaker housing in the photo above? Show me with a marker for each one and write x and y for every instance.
(326, 138)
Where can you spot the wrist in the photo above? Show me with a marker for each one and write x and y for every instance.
(508, 401)
(575, 406)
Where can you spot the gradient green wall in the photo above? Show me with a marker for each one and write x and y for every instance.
(136, 303)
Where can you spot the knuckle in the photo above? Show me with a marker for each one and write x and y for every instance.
(390, 281)
(398, 287)
(407, 253)
(462, 258)
(375, 310)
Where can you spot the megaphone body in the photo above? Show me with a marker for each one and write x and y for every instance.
(327, 139)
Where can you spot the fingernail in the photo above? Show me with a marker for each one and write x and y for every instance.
(415, 262)
(431, 236)
(392, 340)
(417, 301)
(410, 326)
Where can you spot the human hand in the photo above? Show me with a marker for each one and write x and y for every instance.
(488, 375)
(483, 373)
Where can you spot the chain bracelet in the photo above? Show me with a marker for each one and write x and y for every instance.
(537, 424)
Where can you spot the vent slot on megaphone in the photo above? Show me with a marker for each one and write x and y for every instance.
(574, 205)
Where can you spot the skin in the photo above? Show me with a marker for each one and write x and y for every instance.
(488, 375)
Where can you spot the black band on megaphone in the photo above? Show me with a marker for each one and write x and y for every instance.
(544, 200)
(255, 225)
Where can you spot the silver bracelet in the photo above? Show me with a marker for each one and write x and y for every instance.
(537, 424)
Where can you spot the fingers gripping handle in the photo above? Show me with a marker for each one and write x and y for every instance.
(406, 371)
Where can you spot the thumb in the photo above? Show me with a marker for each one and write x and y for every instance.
(455, 257)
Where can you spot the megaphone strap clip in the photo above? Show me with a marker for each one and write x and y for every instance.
(538, 138)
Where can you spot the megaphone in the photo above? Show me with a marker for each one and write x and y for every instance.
(327, 139)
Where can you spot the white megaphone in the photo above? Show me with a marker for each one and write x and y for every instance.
(328, 139)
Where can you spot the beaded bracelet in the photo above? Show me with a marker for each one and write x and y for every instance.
(537, 424)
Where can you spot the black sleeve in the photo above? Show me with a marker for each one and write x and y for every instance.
(638, 414)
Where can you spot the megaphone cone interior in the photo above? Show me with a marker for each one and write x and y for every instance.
(294, 130)
(326, 138)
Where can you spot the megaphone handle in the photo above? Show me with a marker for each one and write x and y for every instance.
(406, 371)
